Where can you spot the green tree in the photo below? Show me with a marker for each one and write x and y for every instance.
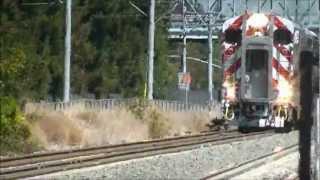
(109, 45)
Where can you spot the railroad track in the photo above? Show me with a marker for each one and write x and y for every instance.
(45, 163)
(238, 169)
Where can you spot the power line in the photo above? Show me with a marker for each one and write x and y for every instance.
(137, 8)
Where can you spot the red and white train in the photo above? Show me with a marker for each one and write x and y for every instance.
(269, 66)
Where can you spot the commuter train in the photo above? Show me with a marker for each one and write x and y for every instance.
(269, 67)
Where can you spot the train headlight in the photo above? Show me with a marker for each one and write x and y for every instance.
(285, 92)
(229, 90)
(258, 20)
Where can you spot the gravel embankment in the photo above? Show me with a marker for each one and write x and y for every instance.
(284, 168)
(193, 164)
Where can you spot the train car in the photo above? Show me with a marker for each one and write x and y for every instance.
(269, 65)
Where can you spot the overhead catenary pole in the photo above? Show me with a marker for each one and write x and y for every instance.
(246, 4)
(309, 14)
(296, 11)
(66, 91)
(234, 8)
(151, 49)
(285, 8)
(210, 53)
(210, 70)
(317, 144)
(184, 52)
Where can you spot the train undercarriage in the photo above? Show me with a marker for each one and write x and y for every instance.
(251, 115)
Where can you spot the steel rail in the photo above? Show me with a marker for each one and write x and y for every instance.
(119, 153)
(98, 150)
(238, 169)
(45, 156)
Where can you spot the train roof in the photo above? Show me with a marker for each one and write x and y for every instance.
(263, 18)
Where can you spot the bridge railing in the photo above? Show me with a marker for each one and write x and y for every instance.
(109, 104)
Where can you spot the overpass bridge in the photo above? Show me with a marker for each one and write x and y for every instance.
(191, 17)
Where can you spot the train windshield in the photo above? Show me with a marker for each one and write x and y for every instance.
(256, 78)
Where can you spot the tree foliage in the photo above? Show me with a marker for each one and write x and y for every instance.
(14, 131)
(109, 45)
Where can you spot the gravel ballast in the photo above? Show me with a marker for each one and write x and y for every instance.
(284, 168)
(193, 164)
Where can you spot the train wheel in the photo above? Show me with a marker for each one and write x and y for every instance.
(226, 126)
(243, 129)
(288, 127)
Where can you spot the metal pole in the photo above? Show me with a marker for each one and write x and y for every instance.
(66, 91)
(317, 144)
(258, 6)
(186, 95)
(234, 8)
(285, 8)
(151, 49)
(184, 53)
(210, 84)
(309, 7)
(246, 4)
(296, 14)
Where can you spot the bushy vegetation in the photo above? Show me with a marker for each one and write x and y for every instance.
(80, 126)
(15, 135)
(158, 124)
(109, 56)
(109, 49)
(139, 108)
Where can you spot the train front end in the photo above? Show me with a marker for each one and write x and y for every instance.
(258, 78)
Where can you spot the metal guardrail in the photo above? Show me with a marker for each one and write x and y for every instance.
(109, 104)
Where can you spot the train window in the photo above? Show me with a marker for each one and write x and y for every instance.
(282, 36)
(233, 36)
(256, 59)
(256, 68)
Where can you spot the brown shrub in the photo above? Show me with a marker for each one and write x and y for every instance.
(159, 126)
(77, 126)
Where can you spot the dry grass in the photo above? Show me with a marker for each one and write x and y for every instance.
(82, 127)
